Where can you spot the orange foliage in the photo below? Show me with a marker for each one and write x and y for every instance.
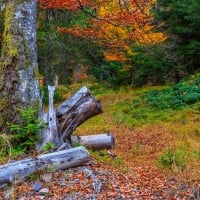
(80, 74)
(65, 4)
(114, 56)
(117, 24)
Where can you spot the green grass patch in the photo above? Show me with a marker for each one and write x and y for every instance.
(173, 159)
(98, 89)
(163, 104)
(177, 157)
(103, 157)
(94, 125)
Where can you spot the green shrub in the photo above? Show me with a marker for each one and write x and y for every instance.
(113, 72)
(25, 135)
(178, 96)
(167, 158)
(48, 146)
(173, 158)
(160, 104)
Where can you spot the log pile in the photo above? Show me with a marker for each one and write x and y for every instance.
(61, 123)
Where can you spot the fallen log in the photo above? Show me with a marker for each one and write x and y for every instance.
(96, 142)
(19, 170)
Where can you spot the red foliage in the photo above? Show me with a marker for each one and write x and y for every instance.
(115, 24)
(65, 4)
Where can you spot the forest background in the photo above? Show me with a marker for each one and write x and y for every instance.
(123, 43)
(141, 58)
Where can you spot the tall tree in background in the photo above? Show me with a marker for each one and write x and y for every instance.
(178, 55)
(180, 21)
(56, 52)
(18, 66)
(116, 24)
(62, 52)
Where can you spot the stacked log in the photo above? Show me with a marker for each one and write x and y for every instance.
(61, 123)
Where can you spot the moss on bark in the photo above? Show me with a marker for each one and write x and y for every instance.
(17, 66)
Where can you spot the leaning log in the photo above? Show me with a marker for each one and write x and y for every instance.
(73, 112)
(96, 142)
(19, 170)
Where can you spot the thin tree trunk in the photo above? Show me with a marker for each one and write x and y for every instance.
(18, 67)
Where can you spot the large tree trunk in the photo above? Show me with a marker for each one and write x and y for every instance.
(17, 171)
(18, 67)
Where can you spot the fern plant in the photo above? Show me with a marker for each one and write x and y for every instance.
(25, 135)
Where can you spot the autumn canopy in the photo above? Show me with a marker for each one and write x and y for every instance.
(114, 24)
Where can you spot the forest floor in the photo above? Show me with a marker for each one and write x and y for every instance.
(131, 170)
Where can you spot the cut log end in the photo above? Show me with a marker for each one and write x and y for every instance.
(96, 142)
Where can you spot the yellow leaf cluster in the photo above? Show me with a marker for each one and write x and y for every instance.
(126, 24)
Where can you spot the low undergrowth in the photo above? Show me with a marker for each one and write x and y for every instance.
(105, 157)
(164, 118)
(24, 135)
(156, 125)
(159, 104)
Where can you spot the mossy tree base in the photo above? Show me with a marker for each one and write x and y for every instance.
(18, 84)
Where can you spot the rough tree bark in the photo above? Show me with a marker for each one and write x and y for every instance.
(18, 64)
(17, 171)
(69, 115)
(74, 111)
(96, 142)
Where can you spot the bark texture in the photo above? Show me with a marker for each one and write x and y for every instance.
(19, 170)
(18, 67)
(96, 142)
(50, 133)
(69, 115)
(76, 110)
